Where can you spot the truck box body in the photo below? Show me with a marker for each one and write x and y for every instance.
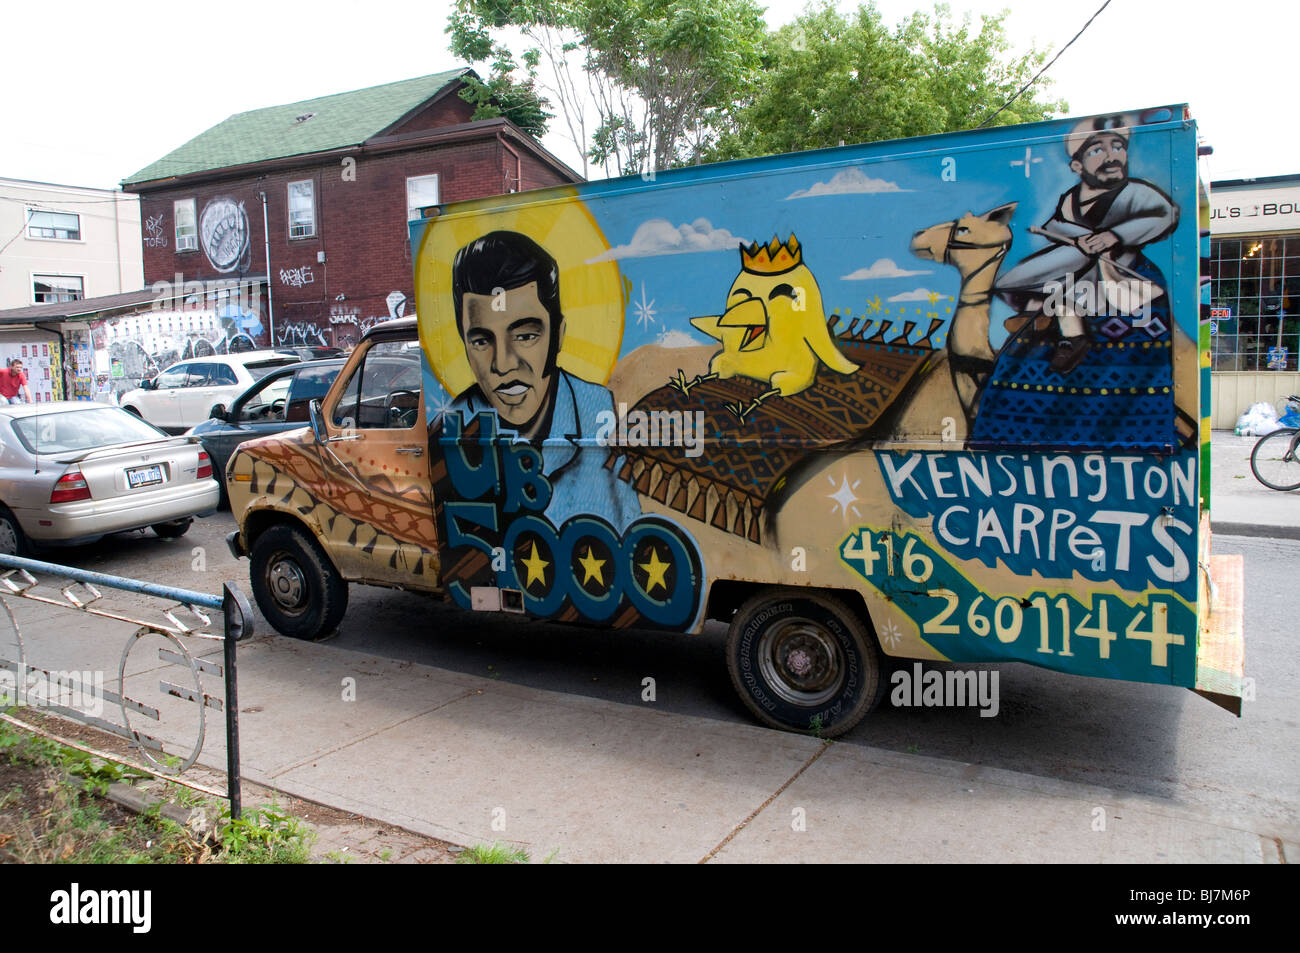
(956, 384)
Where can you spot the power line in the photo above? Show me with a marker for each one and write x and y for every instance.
(989, 118)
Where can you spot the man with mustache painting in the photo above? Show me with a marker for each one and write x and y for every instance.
(1098, 230)
(506, 293)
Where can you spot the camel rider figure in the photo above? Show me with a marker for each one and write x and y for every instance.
(1094, 268)
(1089, 360)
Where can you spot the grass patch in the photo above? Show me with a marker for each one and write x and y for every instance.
(495, 853)
(54, 810)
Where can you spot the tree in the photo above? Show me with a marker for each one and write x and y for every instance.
(829, 78)
(660, 76)
(502, 94)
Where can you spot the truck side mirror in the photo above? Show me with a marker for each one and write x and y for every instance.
(317, 421)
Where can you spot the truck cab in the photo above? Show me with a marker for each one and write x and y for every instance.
(345, 500)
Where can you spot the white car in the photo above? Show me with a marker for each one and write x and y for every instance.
(190, 392)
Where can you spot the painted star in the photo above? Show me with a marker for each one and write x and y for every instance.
(536, 567)
(593, 568)
(889, 632)
(874, 305)
(844, 497)
(645, 310)
(934, 297)
(655, 572)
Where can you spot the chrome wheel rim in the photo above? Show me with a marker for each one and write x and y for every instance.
(802, 662)
(286, 583)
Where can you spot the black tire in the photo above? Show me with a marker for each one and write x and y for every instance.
(13, 542)
(1275, 461)
(801, 660)
(172, 529)
(296, 586)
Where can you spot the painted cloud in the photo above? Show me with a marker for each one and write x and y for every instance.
(847, 182)
(658, 236)
(920, 294)
(882, 268)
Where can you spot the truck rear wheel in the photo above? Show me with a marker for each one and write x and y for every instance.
(803, 661)
(296, 586)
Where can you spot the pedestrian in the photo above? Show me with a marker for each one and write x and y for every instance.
(13, 384)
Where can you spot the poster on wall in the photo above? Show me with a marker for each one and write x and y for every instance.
(42, 365)
(1277, 358)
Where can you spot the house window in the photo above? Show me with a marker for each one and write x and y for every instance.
(302, 209)
(61, 225)
(421, 192)
(47, 289)
(187, 231)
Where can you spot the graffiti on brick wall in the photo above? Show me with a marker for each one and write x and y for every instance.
(153, 232)
(347, 323)
(297, 277)
(223, 232)
(300, 334)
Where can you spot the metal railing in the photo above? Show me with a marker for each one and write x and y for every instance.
(60, 691)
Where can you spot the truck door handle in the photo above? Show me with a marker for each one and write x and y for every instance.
(413, 451)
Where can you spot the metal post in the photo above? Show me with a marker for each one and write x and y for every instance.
(238, 617)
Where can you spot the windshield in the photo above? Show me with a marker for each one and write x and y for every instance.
(83, 430)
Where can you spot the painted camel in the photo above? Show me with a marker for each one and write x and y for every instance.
(977, 245)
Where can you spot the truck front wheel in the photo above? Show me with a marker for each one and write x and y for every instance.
(803, 661)
(296, 586)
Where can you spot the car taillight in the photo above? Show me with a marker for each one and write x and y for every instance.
(70, 487)
(205, 465)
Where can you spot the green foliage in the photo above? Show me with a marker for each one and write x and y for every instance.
(830, 78)
(661, 74)
(495, 853)
(505, 92)
(264, 836)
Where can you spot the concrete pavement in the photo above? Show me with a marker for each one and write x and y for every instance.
(1239, 504)
(475, 760)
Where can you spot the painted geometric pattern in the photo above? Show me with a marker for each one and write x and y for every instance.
(729, 484)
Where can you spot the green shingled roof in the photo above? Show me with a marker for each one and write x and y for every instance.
(344, 119)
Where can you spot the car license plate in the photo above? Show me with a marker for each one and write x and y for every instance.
(143, 476)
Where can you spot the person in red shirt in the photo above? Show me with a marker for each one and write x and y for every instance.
(13, 384)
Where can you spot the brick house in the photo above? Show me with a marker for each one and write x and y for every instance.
(335, 180)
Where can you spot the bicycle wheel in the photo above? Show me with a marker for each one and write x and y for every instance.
(1275, 461)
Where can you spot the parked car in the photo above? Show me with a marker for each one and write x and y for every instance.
(276, 403)
(313, 353)
(73, 471)
(189, 392)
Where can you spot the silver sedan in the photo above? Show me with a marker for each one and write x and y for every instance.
(72, 471)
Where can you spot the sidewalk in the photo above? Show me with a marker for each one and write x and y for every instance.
(1239, 504)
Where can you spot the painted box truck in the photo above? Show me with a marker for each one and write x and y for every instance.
(938, 399)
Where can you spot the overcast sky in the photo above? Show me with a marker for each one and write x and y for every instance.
(96, 91)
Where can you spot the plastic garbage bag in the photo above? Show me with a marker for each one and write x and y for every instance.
(1259, 420)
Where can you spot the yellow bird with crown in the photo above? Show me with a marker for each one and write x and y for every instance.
(774, 327)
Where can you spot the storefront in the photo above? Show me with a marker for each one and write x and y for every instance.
(1254, 292)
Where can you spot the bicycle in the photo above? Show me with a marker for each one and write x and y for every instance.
(1275, 461)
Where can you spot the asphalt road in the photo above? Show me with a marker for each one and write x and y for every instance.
(1131, 737)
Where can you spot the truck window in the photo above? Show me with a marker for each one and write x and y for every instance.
(308, 384)
(384, 390)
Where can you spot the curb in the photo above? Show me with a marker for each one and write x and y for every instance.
(1266, 530)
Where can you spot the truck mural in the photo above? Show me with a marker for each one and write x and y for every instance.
(924, 398)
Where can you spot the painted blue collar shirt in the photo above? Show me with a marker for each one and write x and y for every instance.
(572, 460)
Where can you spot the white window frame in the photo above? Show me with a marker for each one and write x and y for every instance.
(297, 227)
(47, 276)
(413, 211)
(51, 238)
(189, 240)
